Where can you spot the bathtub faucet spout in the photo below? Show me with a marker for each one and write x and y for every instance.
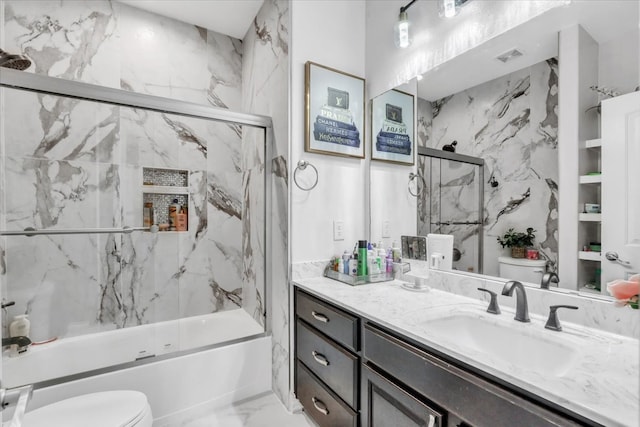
(21, 342)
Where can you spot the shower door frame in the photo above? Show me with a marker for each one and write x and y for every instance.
(463, 158)
(22, 80)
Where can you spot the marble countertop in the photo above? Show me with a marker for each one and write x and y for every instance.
(601, 382)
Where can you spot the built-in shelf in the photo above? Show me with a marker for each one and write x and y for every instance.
(161, 189)
(593, 143)
(589, 256)
(165, 192)
(590, 217)
(590, 179)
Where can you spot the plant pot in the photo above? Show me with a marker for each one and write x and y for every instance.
(518, 252)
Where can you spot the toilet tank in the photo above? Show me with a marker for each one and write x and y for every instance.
(521, 269)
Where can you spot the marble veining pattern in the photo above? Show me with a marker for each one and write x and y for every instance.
(265, 73)
(71, 164)
(510, 122)
(602, 384)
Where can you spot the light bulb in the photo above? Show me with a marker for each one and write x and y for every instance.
(449, 8)
(402, 36)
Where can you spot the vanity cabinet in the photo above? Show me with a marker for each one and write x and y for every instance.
(351, 372)
(327, 361)
(467, 398)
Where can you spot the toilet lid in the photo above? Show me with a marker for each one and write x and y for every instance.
(105, 409)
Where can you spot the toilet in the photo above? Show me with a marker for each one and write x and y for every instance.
(521, 269)
(121, 408)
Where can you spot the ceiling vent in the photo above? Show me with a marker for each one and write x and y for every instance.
(510, 55)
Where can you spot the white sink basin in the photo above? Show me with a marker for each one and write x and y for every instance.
(505, 341)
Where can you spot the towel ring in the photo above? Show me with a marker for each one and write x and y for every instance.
(413, 176)
(302, 165)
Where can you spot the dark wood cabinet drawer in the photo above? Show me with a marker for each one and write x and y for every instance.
(473, 399)
(320, 403)
(334, 365)
(330, 320)
(387, 404)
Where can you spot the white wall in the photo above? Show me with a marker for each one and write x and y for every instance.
(390, 199)
(335, 37)
(619, 67)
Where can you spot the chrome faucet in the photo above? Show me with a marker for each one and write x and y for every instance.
(21, 342)
(522, 308)
(547, 278)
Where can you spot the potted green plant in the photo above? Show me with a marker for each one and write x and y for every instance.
(517, 241)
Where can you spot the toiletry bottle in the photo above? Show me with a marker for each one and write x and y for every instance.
(340, 266)
(389, 262)
(362, 258)
(181, 220)
(20, 326)
(147, 213)
(397, 253)
(174, 208)
(345, 262)
(353, 266)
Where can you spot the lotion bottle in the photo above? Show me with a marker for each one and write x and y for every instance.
(20, 326)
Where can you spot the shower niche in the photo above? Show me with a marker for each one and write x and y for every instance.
(165, 199)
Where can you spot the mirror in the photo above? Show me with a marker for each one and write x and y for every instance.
(498, 105)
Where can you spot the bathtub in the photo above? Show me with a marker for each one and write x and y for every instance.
(69, 356)
(191, 384)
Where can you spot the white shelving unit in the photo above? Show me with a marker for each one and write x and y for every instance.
(589, 256)
(590, 179)
(590, 223)
(590, 217)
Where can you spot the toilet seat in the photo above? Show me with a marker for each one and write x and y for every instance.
(121, 408)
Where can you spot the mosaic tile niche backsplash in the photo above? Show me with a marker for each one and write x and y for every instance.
(76, 164)
(511, 123)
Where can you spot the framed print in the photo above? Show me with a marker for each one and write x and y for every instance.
(392, 129)
(334, 107)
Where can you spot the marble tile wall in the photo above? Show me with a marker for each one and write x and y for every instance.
(511, 123)
(73, 164)
(265, 75)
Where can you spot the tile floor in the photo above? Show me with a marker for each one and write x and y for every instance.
(263, 411)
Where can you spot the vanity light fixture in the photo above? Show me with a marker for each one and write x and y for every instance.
(450, 8)
(401, 28)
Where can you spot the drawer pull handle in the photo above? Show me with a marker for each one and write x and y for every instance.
(320, 406)
(320, 358)
(320, 317)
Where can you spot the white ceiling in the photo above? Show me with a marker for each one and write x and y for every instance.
(604, 20)
(230, 17)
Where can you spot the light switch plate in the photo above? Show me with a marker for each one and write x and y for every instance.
(386, 228)
(338, 230)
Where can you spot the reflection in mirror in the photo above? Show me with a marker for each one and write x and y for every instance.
(521, 103)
